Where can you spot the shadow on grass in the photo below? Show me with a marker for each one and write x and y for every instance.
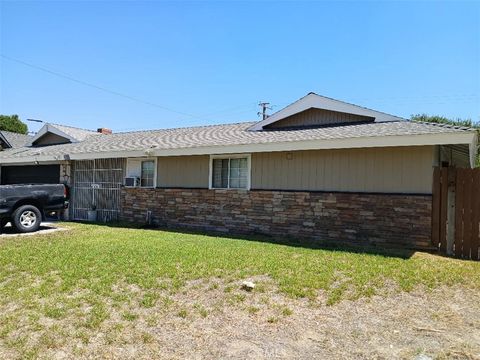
(370, 249)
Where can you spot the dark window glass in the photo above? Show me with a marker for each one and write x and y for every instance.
(230, 173)
(148, 172)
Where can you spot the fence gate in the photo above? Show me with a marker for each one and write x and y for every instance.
(97, 184)
(456, 212)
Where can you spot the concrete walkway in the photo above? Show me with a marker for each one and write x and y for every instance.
(45, 228)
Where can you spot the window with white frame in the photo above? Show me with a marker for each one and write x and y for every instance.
(144, 171)
(147, 174)
(230, 172)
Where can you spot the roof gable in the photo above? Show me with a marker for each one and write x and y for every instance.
(51, 134)
(314, 101)
(77, 133)
(4, 144)
(317, 118)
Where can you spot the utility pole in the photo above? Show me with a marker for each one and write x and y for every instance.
(265, 107)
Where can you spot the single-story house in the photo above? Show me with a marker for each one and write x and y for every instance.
(319, 168)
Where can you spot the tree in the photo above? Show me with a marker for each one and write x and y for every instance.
(457, 122)
(12, 123)
(444, 120)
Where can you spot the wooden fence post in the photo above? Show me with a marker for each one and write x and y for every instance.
(443, 209)
(436, 208)
(451, 210)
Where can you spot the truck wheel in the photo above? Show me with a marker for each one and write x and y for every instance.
(27, 218)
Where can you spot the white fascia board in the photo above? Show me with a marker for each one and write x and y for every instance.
(364, 142)
(320, 102)
(347, 143)
(78, 156)
(47, 128)
(42, 161)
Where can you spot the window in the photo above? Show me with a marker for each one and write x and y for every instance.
(148, 173)
(141, 172)
(230, 172)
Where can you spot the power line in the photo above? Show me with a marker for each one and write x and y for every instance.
(233, 110)
(68, 77)
(113, 92)
(395, 100)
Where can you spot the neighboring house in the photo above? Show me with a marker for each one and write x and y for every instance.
(10, 140)
(320, 169)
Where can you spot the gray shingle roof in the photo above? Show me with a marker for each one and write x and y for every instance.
(76, 133)
(16, 140)
(222, 135)
(71, 133)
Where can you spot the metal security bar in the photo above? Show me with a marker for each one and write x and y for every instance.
(97, 185)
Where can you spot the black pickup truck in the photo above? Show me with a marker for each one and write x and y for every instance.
(25, 206)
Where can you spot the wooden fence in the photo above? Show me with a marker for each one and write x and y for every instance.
(456, 212)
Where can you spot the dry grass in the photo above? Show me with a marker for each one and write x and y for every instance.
(123, 293)
(213, 323)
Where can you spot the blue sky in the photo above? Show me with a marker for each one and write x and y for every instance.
(211, 62)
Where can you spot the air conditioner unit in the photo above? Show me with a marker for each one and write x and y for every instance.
(132, 181)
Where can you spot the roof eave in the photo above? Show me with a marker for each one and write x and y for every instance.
(463, 137)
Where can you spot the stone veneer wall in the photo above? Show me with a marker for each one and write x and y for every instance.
(352, 218)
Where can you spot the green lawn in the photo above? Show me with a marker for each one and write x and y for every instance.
(95, 258)
(59, 275)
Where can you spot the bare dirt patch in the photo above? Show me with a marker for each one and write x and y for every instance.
(214, 318)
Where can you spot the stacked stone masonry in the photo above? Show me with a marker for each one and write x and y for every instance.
(351, 218)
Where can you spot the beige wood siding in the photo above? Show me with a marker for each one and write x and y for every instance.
(392, 169)
(313, 117)
(183, 171)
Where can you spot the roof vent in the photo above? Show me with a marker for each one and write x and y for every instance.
(104, 131)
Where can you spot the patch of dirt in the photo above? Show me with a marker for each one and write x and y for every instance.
(214, 318)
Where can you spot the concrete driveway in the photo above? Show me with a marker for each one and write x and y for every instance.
(45, 228)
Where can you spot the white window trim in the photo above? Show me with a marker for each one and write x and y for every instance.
(154, 173)
(155, 167)
(231, 156)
